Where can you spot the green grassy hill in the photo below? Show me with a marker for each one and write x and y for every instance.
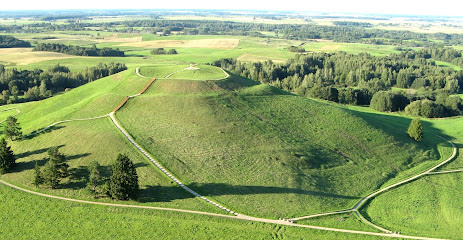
(251, 147)
(264, 152)
(93, 99)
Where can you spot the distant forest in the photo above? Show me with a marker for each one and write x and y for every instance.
(79, 51)
(349, 32)
(366, 80)
(10, 42)
(24, 85)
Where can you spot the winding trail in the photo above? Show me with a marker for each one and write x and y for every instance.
(137, 71)
(448, 171)
(234, 215)
(238, 216)
(17, 112)
(372, 195)
(69, 120)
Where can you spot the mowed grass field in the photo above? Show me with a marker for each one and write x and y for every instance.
(33, 217)
(199, 72)
(266, 153)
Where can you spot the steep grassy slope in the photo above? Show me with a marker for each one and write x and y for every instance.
(263, 152)
(93, 99)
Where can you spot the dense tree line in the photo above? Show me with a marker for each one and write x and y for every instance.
(343, 32)
(362, 79)
(79, 51)
(10, 42)
(39, 84)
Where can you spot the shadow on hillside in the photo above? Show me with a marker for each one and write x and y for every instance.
(396, 123)
(23, 166)
(34, 152)
(167, 194)
(32, 135)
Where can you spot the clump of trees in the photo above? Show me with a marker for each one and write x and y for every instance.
(7, 41)
(40, 84)
(162, 51)
(79, 51)
(415, 130)
(386, 101)
(296, 49)
(7, 159)
(122, 184)
(54, 170)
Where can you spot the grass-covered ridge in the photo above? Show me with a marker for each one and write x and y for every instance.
(263, 152)
(93, 99)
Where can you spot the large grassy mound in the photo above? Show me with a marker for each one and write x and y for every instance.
(263, 152)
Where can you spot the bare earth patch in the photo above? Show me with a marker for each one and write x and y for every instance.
(114, 38)
(24, 56)
(330, 47)
(201, 43)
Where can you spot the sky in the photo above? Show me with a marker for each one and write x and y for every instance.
(402, 7)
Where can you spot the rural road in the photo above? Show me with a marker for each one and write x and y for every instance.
(236, 215)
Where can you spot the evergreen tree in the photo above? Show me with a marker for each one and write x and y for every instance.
(7, 160)
(38, 176)
(51, 174)
(12, 129)
(415, 130)
(59, 160)
(94, 177)
(123, 182)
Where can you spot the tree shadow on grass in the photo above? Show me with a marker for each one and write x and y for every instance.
(167, 194)
(33, 134)
(34, 152)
